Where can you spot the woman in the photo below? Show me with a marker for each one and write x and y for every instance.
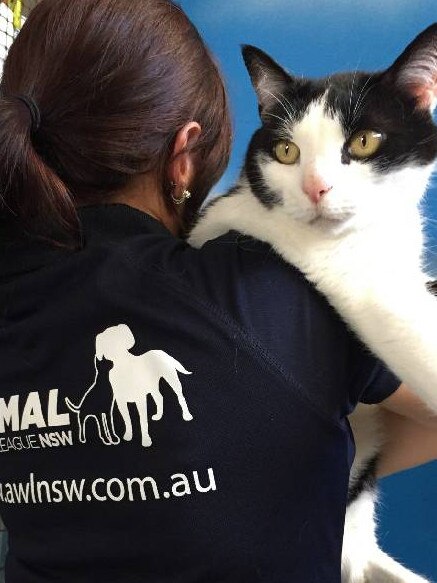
(165, 414)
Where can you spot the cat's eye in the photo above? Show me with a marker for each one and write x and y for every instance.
(365, 143)
(286, 152)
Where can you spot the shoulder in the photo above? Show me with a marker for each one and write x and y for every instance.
(271, 302)
(274, 302)
(250, 283)
(248, 260)
(269, 298)
(251, 279)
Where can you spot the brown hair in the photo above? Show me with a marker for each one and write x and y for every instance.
(114, 80)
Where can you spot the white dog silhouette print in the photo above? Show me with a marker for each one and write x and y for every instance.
(132, 378)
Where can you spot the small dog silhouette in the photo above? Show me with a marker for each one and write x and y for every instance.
(97, 403)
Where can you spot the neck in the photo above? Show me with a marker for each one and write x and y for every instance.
(144, 194)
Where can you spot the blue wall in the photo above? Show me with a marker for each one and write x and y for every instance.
(314, 38)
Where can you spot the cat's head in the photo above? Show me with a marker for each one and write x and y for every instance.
(103, 365)
(345, 149)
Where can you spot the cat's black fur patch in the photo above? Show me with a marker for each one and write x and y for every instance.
(410, 134)
(262, 143)
(432, 286)
(366, 481)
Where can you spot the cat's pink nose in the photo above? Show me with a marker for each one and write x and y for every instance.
(315, 187)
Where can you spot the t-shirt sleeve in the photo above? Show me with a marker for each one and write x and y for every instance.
(372, 381)
(383, 384)
(277, 307)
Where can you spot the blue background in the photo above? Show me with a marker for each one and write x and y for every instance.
(314, 38)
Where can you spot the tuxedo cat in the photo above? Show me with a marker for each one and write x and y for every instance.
(333, 181)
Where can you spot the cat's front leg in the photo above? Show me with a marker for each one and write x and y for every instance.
(359, 540)
(363, 561)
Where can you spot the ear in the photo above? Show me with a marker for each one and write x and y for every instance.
(415, 71)
(181, 167)
(269, 79)
(124, 335)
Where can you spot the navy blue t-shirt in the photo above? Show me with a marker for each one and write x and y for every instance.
(170, 414)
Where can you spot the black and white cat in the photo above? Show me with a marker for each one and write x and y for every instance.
(333, 181)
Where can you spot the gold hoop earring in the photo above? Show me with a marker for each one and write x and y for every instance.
(186, 194)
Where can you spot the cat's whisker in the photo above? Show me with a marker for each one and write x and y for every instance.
(351, 93)
(282, 104)
(290, 105)
(360, 95)
(281, 119)
(426, 140)
(360, 100)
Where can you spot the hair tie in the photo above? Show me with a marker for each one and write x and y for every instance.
(35, 114)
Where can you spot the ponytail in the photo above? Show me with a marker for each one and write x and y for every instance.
(31, 194)
(115, 80)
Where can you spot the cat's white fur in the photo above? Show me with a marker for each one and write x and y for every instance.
(362, 250)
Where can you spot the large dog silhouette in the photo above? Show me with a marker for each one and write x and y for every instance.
(132, 378)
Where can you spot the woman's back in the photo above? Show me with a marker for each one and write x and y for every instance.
(244, 478)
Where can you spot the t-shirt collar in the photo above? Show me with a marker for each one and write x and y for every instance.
(117, 221)
(99, 223)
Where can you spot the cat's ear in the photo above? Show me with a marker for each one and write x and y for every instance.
(268, 78)
(415, 71)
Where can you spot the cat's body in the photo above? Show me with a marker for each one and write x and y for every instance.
(332, 181)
